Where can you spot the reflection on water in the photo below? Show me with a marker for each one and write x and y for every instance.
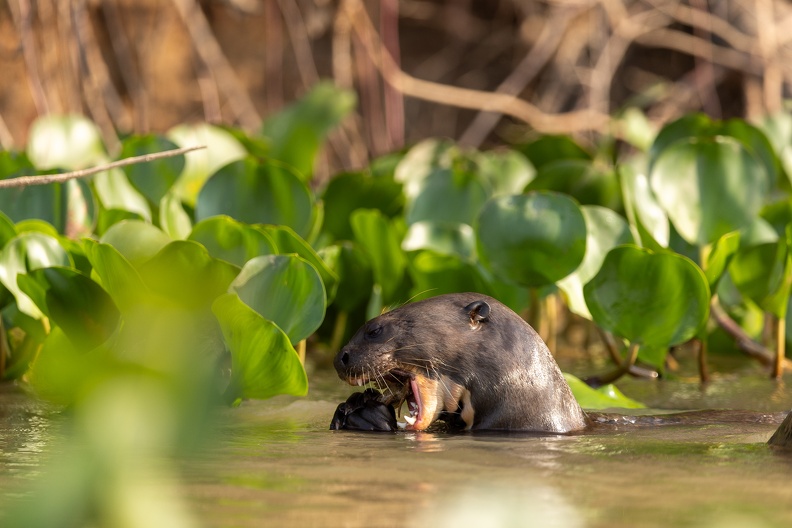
(275, 463)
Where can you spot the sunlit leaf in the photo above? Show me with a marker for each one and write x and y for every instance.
(115, 192)
(379, 240)
(221, 149)
(117, 275)
(435, 274)
(534, 239)
(62, 369)
(7, 230)
(719, 258)
(763, 273)
(505, 171)
(255, 192)
(296, 133)
(422, 160)
(547, 149)
(657, 299)
(264, 363)
(137, 241)
(79, 306)
(64, 142)
(152, 179)
(355, 278)
(444, 238)
(173, 219)
(648, 220)
(448, 196)
(604, 230)
(70, 206)
(232, 241)
(285, 289)
(27, 252)
(580, 179)
(605, 397)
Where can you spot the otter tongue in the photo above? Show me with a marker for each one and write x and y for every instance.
(414, 407)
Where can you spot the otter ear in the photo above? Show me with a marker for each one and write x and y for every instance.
(478, 312)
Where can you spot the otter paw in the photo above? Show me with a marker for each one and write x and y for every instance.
(364, 412)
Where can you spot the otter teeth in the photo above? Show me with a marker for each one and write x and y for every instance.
(410, 419)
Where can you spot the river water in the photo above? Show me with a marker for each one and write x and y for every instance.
(275, 463)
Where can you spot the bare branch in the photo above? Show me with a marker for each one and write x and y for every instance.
(24, 181)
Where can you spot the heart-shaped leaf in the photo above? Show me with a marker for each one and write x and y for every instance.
(263, 361)
(534, 239)
(448, 196)
(117, 275)
(355, 278)
(648, 298)
(763, 273)
(137, 241)
(448, 239)
(285, 289)
(232, 241)
(379, 240)
(155, 178)
(64, 142)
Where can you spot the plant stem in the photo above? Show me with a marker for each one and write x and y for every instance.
(702, 360)
(338, 330)
(301, 351)
(778, 366)
(613, 350)
(623, 368)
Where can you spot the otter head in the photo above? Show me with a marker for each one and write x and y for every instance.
(405, 355)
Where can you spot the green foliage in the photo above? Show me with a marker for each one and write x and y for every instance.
(380, 241)
(763, 273)
(655, 299)
(534, 239)
(154, 179)
(605, 397)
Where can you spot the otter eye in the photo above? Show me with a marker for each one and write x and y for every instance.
(373, 332)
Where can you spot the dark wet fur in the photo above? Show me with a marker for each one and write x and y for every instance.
(363, 411)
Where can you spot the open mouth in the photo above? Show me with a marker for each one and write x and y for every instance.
(404, 392)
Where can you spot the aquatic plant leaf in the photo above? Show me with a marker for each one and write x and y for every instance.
(137, 241)
(285, 289)
(64, 142)
(763, 273)
(263, 361)
(257, 192)
(221, 149)
(184, 273)
(69, 206)
(421, 160)
(581, 180)
(435, 274)
(61, 369)
(605, 397)
(354, 190)
(354, 273)
(605, 230)
(173, 219)
(7, 230)
(296, 133)
(115, 192)
(682, 130)
(550, 148)
(448, 196)
(719, 258)
(154, 178)
(656, 299)
(379, 240)
(441, 237)
(75, 303)
(709, 187)
(232, 241)
(117, 276)
(287, 241)
(648, 221)
(27, 252)
(505, 171)
(534, 239)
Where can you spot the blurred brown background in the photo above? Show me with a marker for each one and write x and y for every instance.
(420, 67)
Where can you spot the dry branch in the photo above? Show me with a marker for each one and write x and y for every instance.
(24, 181)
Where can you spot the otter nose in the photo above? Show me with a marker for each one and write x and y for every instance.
(344, 357)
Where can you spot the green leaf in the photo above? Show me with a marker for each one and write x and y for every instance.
(354, 190)
(184, 273)
(422, 160)
(534, 239)
(297, 132)
(435, 274)
(154, 178)
(763, 273)
(263, 361)
(137, 241)
(709, 188)
(287, 241)
(27, 252)
(605, 397)
(79, 306)
(62, 369)
(117, 275)
(379, 240)
(719, 258)
(115, 192)
(64, 142)
(232, 241)
(70, 206)
(447, 196)
(648, 220)
(604, 230)
(443, 238)
(656, 299)
(173, 219)
(505, 171)
(547, 149)
(257, 192)
(683, 129)
(110, 217)
(285, 289)
(7, 230)
(221, 149)
(355, 278)
(756, 142)
(580, 179)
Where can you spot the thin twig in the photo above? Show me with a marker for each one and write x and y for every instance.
(467, 98)
(24, 181)
(743, 341)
